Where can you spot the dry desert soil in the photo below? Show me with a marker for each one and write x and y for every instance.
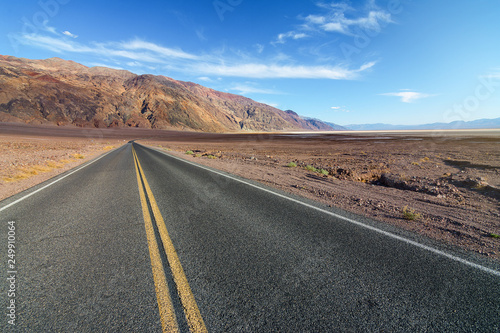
(442, 184)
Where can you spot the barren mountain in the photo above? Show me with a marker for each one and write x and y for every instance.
(64, 92)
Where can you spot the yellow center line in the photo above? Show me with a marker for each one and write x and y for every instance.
(193, 315)
(167, 312)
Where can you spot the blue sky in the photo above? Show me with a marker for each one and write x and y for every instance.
(348, 62)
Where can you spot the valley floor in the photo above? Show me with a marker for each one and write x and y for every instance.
(445, 185)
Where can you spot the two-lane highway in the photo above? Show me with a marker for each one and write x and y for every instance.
(229, 256)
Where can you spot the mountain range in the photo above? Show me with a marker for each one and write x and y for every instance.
(62, 92)
(475, 124)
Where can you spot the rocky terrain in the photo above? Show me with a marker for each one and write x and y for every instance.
(444, 186)
(60, 92)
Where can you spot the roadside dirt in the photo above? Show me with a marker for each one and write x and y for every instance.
(28, 161)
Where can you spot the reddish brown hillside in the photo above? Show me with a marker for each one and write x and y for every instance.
(65, 92)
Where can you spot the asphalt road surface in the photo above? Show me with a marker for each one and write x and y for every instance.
(140, 241)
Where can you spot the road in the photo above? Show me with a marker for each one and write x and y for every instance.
(140, 241)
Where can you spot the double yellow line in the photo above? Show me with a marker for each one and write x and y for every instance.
(167, 312)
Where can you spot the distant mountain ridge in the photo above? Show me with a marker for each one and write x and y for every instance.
(62, 92)
(474, 124)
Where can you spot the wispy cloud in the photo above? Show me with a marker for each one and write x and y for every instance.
(259, 47)
(408, 96)
(249, 88)
(281, 39)
(274, 105)
(205, 65)
(69, 34)
(135, 50)
(165, 52)
(263, 71)
(339, 18)
(340, 109)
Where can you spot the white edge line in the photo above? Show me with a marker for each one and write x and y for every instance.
(57, 180)
(360, 224)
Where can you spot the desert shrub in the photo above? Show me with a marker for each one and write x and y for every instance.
(410, 214)
(292, 165)
(323, 172)
(311, 168)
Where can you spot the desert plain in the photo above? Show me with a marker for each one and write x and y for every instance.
(444, 185)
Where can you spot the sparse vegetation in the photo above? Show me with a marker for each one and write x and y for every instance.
(323, 172)
(109, 147)
(189, 152)
(311, 168)
(292, 165)
(410, 214)
(492, 235)
(55, 165)
(211, 157)
(27, 172)
(78, 156)
(19, 176)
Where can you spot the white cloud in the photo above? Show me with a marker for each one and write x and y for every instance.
(274, 105)
(334, 27)
(408, 96)
(339, 109)
(263, 71)
(335, 18)
(134, 64)
(138, 44)
(205, 78)
(290, 35)
(244, 89)
(54, 44)
(315, 19)
(134, 50)
(371, 22)
(366, 66)
(69, 34)
(141, 52)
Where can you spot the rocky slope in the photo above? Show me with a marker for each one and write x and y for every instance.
(64, 92)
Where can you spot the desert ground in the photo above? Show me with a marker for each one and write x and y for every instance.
(442, 184)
